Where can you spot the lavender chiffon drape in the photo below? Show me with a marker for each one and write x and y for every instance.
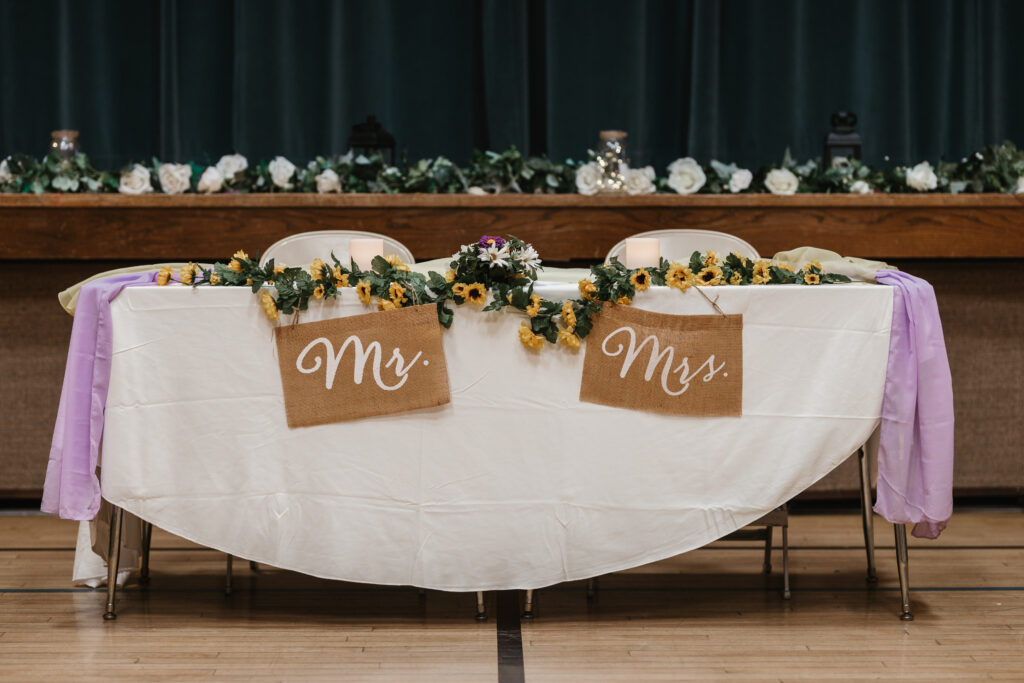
(915, 450)
(72, 489)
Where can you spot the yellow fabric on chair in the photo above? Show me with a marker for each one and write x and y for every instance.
(857, 269)
(69, 297)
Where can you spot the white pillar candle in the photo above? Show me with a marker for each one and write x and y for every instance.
(642, 252)
(363, 250)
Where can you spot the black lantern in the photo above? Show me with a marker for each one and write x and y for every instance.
(842, 141)
(370, 137)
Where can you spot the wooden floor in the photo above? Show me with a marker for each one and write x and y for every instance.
(707, 615)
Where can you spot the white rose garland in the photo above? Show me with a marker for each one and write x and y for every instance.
(781, 181)
(281, 172)
(174, 178)
(211, 181)
(135, 181)
(685, 176)
(922, 178)
(328, 181)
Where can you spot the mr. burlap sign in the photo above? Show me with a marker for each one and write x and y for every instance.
(679, 364)
(363, 365)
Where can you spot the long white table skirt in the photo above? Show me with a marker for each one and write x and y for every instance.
(515, 483)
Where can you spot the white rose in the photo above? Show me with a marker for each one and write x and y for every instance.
(135, 181)
(685, 176)
(230, 164)
(861, 187)
(922, 178)
(211, 181)
(840, 162)
(588, 178)
(740, 180)
(1020, 185)
(174, 178)
(639, 180)
(476, 190)
(328, 181)
(281, 172)
(781, 181)
(5, 173)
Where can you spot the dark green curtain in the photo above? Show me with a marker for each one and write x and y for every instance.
(733, 80)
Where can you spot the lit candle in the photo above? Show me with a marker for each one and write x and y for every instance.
(642, 252)
(363, 250)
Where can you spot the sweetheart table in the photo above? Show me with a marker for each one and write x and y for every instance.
(515, 484)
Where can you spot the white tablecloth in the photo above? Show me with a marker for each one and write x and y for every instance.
(515, 483)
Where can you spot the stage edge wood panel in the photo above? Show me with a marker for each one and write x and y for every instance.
(562, 227)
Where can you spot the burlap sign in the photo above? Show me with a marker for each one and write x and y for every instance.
(363, 365)
(679, 364)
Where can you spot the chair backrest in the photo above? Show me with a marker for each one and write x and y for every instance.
(677, 245)
(301, 249)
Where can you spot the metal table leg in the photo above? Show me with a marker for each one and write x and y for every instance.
(113, 558)
(902, 561)
(227, 574)
(867, 517)
(147, 539)
(591, 588)
(528, 607)
(481, 608)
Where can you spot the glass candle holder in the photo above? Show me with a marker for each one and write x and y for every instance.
(64, 143)
(611, 159)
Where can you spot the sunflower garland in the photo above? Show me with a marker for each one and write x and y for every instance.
(497, 269)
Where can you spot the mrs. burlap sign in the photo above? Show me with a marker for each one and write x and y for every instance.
(363, 365)
(679, 364)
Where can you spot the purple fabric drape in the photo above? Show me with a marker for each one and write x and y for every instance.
(915, 450)
(72, 489)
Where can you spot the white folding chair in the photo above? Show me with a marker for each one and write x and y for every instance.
(301, 249)
(677, 245)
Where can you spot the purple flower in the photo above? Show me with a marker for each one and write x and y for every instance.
(491, 241)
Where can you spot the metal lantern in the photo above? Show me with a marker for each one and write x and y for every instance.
(842, 141)
(369, 138)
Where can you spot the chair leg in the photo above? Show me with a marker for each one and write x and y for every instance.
(113, 559)
(768, 550)
(591, 588)
(867, 518)
(785, 563)
(528, 607)
(902, 562)
(254, 566)
(147, 539)
(227, 575)
(481, 608)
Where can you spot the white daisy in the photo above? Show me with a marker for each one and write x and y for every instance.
(495, 256)
(529, 257)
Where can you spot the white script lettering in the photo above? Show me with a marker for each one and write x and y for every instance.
(658, 355)
(361, 357)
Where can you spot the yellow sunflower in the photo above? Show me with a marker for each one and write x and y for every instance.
(534, 307)
(269, 305)
(385, 305)
(709, 277)
(164, 276)
(624, 300)
(340, 278)
(812, 278)
(318, 292)
(476, 293)
(187, 274)
(569, 338)
(641, 279)
(679, 276)
(449, 276)
(529, 339)
(569, 316)
(588, 290)
(363, 291)
(214, 279)
(397, 293)
(743, 259)
(317, 269)
(736, 278)
(710, 259)
(812, 264)
(395, 261)
(235, 265)
(459, 290)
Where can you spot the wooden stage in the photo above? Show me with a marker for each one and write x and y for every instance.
(707, 615)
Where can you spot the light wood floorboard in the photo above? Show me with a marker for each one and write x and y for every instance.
(707, 615)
